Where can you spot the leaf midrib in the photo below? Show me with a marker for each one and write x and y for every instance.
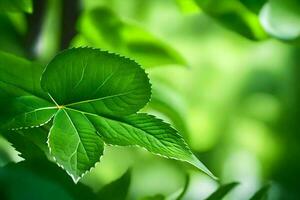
(97, 99)
(80, 140)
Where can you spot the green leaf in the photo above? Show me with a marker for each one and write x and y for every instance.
(234, 15)
(103, 28)
(121, 185)
(261, 194)
(30, 143)
(74, 143)
(145, 131)
(281, 19)
(18, 77)
(97, 82)
(94, 97)
(222, 191)
(254, 6)
(35, 112)
(16, 6)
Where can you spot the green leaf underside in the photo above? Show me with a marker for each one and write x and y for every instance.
(95, 97)
(74, 143)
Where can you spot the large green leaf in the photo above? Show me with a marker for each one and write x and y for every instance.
(16, 6)
(96, 81)
(103, 28)
(222, 191)
(95, 96)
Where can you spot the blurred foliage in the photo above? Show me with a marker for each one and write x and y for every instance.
(234, 15)
(261, 193)
(221, 192)
(16, 6)
(101, 27)
(237, 102)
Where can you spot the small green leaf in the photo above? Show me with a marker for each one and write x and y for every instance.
(30, 143)
(222, 191)
(261, 194)
(16, 6)
(35, 112)
(121, 185)
(145, 131)
(21, 177)
(74, 143)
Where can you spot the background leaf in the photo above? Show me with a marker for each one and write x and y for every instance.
(18, 77)
(101, 27)
(117, 189)
(235, 16)
(222, 191)
(261, 194)
(16, 6)
(42, 180)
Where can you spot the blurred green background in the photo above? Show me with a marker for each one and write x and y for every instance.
(224, 73)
